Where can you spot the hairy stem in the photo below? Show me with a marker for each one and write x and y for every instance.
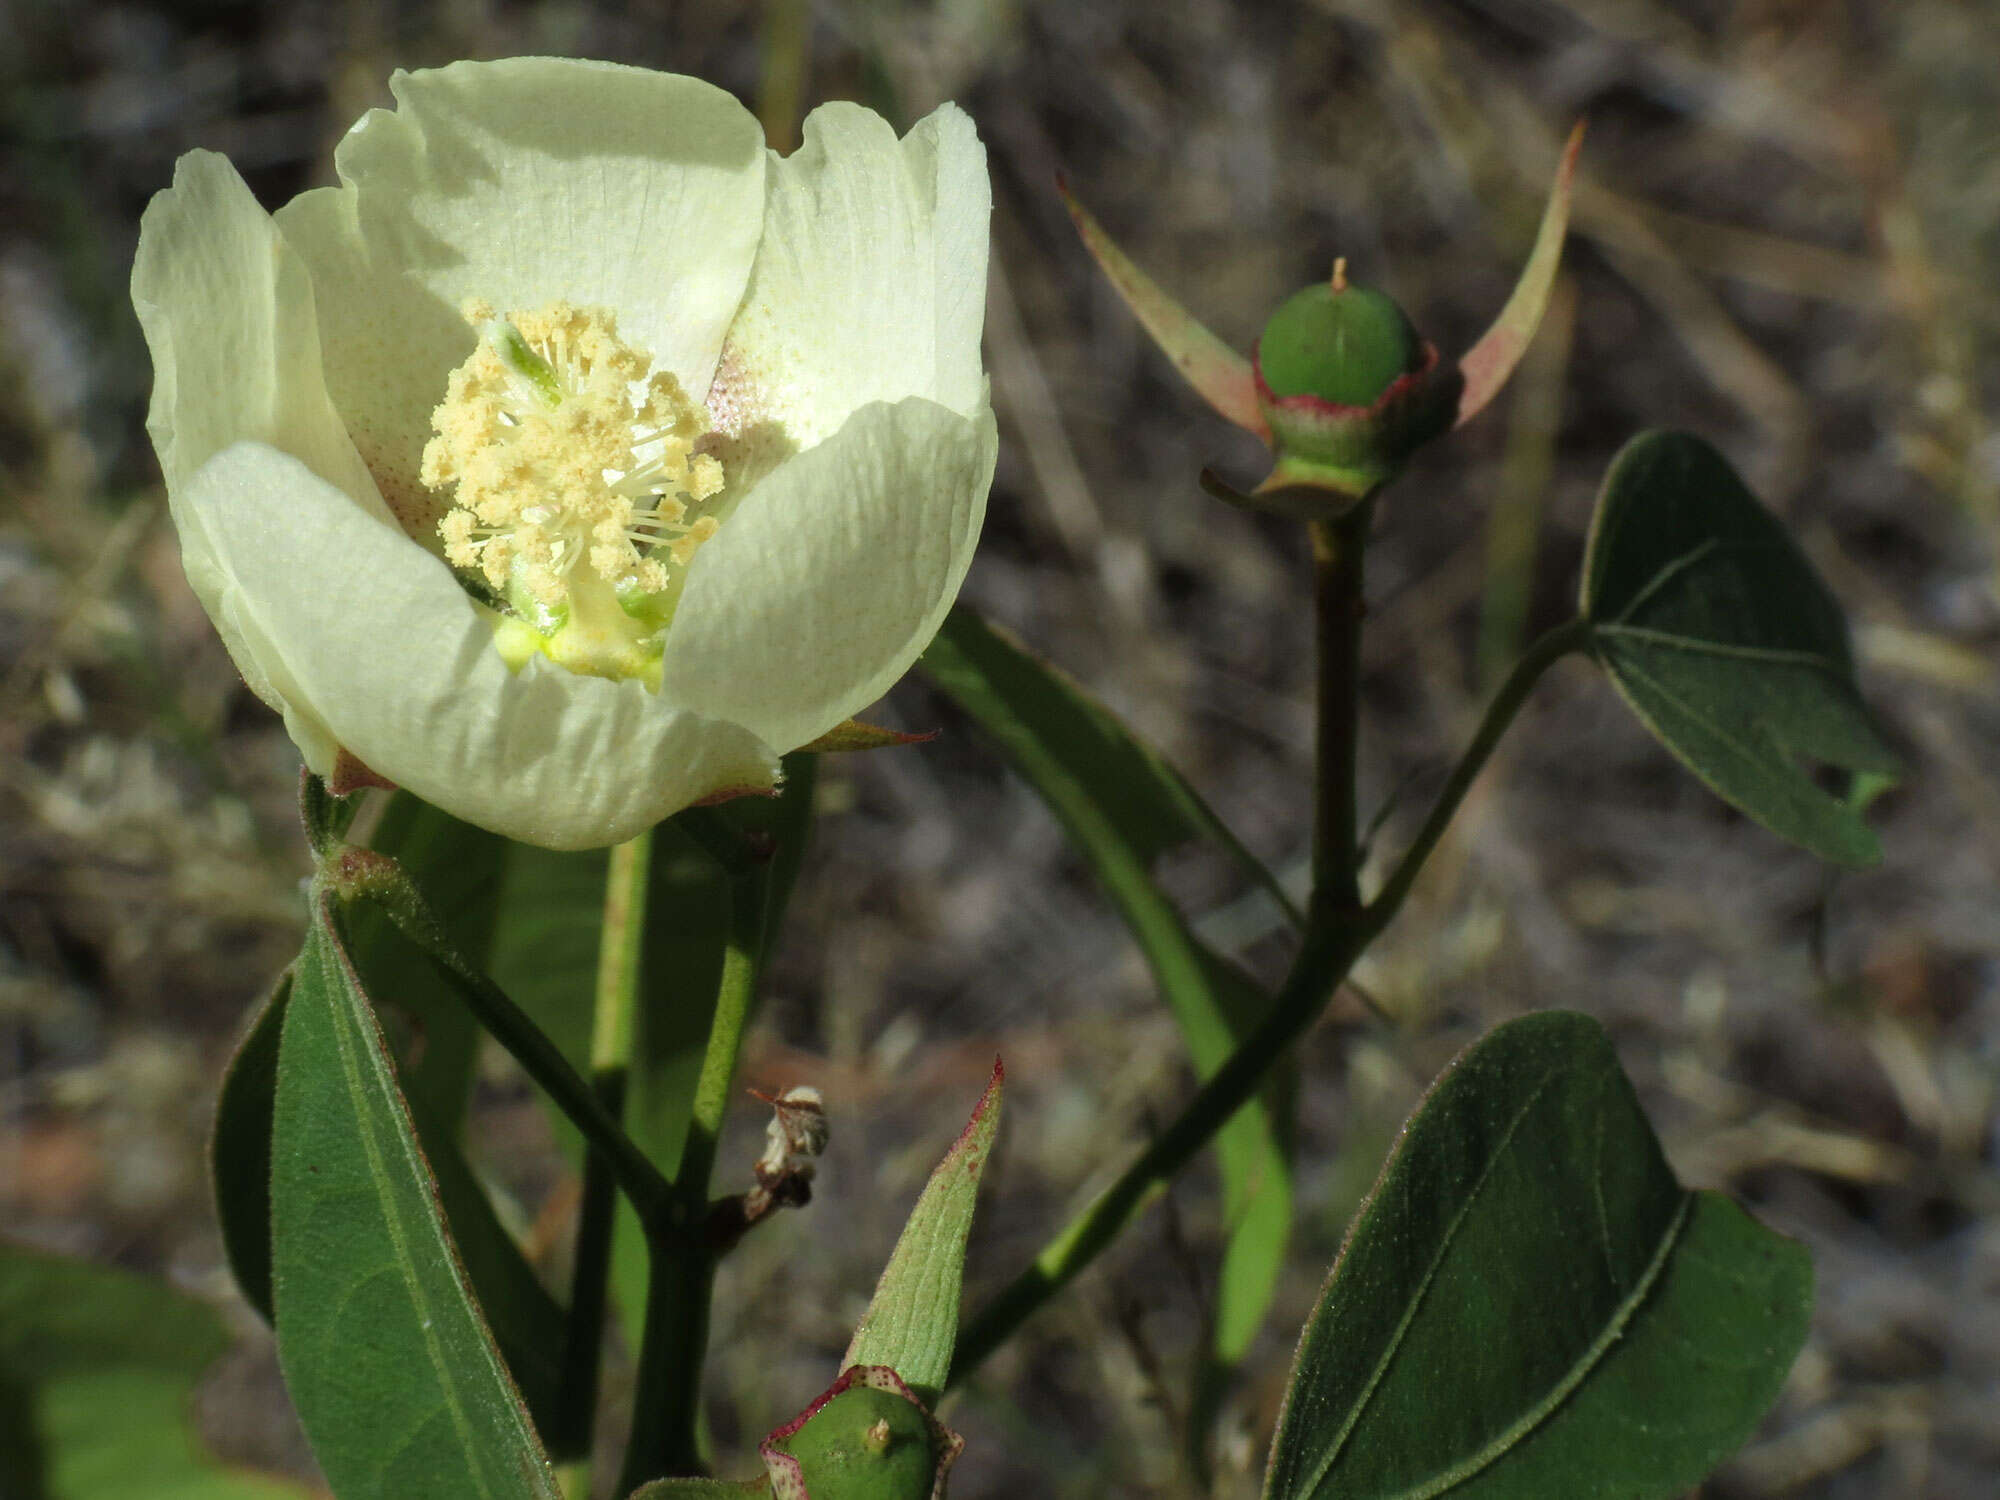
(363, 874)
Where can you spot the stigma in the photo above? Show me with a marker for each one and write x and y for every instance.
(578, 497)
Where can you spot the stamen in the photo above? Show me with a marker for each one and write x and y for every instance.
(572, 464)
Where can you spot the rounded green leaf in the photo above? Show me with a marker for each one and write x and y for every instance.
(1722, 638)
(1529, 1305)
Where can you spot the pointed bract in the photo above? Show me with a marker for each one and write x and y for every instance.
(867, 1436)
(1489, 362)
(1220, 375)
(912, 1323)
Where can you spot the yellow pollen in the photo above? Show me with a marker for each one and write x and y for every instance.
(570, 460)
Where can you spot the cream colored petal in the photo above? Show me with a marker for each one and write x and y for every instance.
(368, 639)
(227, 308)
(834, 573)
(521, 182)
(870, 284)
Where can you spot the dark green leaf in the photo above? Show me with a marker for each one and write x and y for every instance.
(1123, 806)
(527, 1323)
(912, 1321)
(239, 1150)
(1530, 1306)
(96, 1368)
(703, 1489)
(1725, 642)
(396, 1377)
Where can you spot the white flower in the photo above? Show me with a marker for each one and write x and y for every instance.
(705, 427)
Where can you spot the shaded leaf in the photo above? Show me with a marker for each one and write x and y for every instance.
(239, 1149)
(396, 1377)
(912, 1322)
(1529, 1305)
(1123, 806)
(96, 1370)
(1219, 375)
(1719, 634)
(1105, 783)
(527, 1323)
(703, 1489)
(459, 869)
(1488, 363)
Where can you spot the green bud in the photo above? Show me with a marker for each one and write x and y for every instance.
(867, 1438)
(1342, 343)
(866, 1445)
(1349, 391)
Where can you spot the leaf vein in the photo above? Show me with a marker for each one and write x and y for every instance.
(1409, 1317)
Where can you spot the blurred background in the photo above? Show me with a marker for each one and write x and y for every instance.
(1787, 238)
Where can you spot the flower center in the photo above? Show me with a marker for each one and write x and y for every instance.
(578, 497)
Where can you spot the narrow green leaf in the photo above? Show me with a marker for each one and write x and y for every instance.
(528, 917)
(396, 1377)
(1094, 773)
(1529, 1305)
(96, 1368)
(544, 952)
(1123, 806)
(1722, 638)
(912, 1322)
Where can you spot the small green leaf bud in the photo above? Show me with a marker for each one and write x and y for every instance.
(1342, 343)
(867, 1438)
(865, 1445)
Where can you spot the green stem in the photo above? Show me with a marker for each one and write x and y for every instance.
(1339, 548)
(365, 875)
(666, 1402)
(1332, 944)
(620, 946)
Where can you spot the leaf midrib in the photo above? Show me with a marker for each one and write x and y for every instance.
(1565, 1388)
(1698, 645)
(1311, 1487)
(1437, 1484)
(450, 1395)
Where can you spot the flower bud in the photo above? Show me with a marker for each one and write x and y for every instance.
(1338, 341)
(1348, 387)
(867, 1438)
